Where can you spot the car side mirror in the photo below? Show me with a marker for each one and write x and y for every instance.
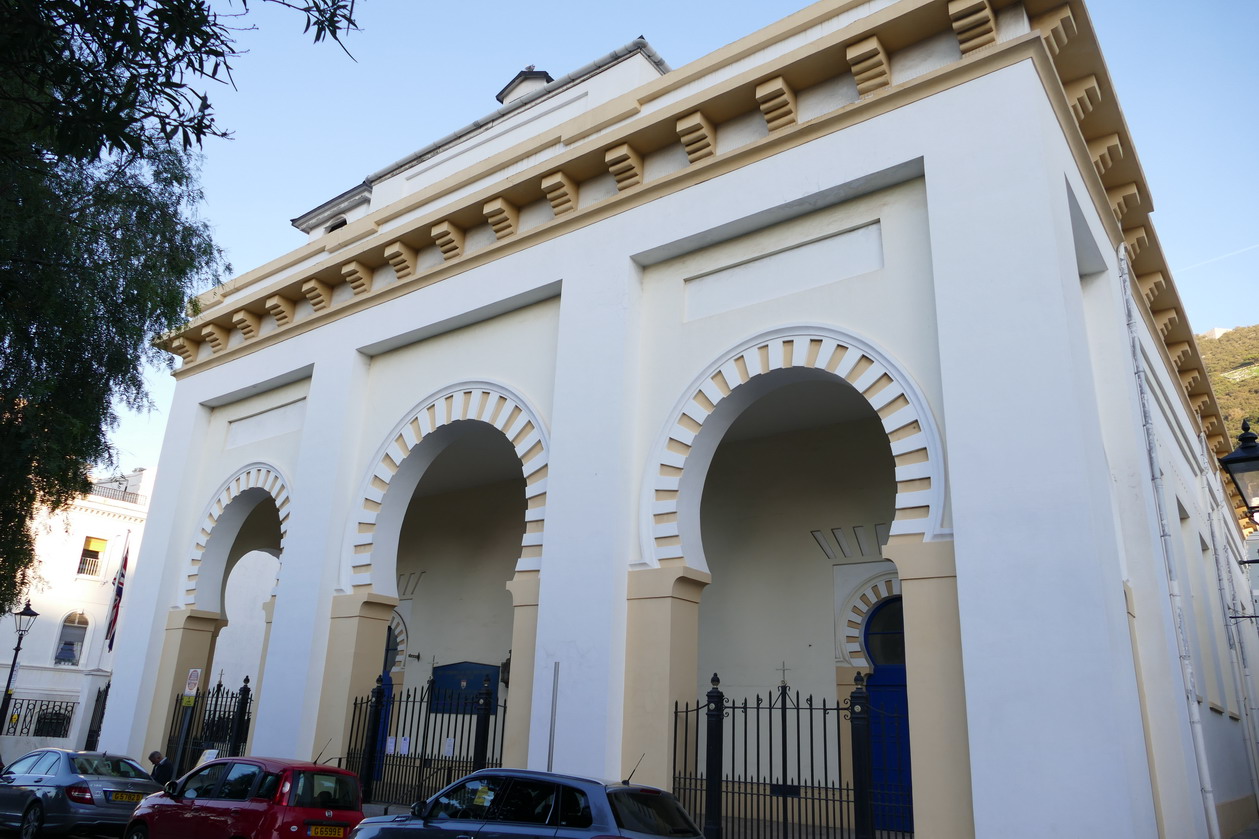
(170, 789)
(418, 809)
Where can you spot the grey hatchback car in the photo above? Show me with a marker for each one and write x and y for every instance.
(520, 804)
(59, 791)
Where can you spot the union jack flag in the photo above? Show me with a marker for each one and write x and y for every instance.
(119, 580)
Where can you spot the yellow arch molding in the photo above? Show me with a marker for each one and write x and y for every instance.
(902, 409)
(254, 476)
(478, 401)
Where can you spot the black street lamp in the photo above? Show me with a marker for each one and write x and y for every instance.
(1242, 466)
(23, 619)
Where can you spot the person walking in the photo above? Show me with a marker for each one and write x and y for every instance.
(163, 771)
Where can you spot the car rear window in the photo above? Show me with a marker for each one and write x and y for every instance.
(648, 811)
(325, 790)
(105, 766)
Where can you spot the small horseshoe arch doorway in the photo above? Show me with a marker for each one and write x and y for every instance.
(884, 641)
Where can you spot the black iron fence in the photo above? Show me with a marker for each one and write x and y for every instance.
(406, 745)
(98, 718)
(39, 718)
(785, 767)
(216, 719)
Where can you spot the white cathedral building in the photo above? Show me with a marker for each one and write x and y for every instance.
(855, 328)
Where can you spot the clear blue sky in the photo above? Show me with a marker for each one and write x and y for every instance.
(310, 122)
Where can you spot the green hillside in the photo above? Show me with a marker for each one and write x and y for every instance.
(1232, 360)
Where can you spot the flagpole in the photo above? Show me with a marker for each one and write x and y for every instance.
(120, 579)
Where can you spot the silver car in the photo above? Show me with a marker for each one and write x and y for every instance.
(523, 804)
(58, 791)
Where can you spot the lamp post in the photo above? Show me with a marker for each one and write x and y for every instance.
(1242, 466)
(23, 619)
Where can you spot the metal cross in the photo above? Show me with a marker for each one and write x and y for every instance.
(784, 668)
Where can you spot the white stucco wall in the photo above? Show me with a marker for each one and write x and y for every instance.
(950, 236)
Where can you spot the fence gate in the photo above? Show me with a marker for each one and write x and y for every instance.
(212, 719)
(406, 745)
(784, 767)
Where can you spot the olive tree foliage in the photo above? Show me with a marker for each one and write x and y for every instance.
(103, 104)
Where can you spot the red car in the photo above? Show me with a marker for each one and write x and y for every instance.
(260, 797)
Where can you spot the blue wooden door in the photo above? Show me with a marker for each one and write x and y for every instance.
(889, 717)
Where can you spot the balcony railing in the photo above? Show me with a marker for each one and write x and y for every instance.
(118, 494)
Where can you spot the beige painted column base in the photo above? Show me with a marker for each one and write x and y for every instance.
(661, 664)
(939, 739)
(524, 641)
(356, 648)
(188, 644)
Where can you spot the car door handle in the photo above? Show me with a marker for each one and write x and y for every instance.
(464, 836)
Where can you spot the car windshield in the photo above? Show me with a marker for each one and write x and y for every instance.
(107, 766)
(326, 790)
(647, 811)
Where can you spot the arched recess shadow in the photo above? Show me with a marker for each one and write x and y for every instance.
(674, 485)
(253, 504)
(412, 447)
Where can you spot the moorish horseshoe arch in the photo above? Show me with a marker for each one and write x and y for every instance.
(247, 481)
(671, 526)
(378, 522)
(858, 608)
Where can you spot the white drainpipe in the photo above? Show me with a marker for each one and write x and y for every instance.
(1169, 568)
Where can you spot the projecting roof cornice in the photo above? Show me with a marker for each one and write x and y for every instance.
(423, 237)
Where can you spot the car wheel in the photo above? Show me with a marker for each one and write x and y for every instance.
(137, 831)
(32, 822)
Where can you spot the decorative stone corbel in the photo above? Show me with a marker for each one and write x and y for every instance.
(1084, 94)
(626, 166)
(402, 257)
(1123, 199)
(561, 191)
(1165, 319)
(1105, 151)
(358, 275)
(870, 66)
(1189, 378)
(778, 103)
(318, 293)
(974, 24)
(1136, 239)
(1057, 27)
(215, 335)
(1151, 285)
(247, 322)
(281, 308)
(449, 239)
(697, 136)
(503, 216)
(186, 348)
(1179, 353)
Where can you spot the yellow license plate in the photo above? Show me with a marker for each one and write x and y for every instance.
(128, 796)
(327, 830)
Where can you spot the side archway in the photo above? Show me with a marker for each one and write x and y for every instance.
(401, 462)
(673, 489)
(248, 512)
(232, 508)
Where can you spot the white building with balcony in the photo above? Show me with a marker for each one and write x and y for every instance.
(65, 662)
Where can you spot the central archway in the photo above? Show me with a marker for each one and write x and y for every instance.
(674, 488)
(463, 471)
